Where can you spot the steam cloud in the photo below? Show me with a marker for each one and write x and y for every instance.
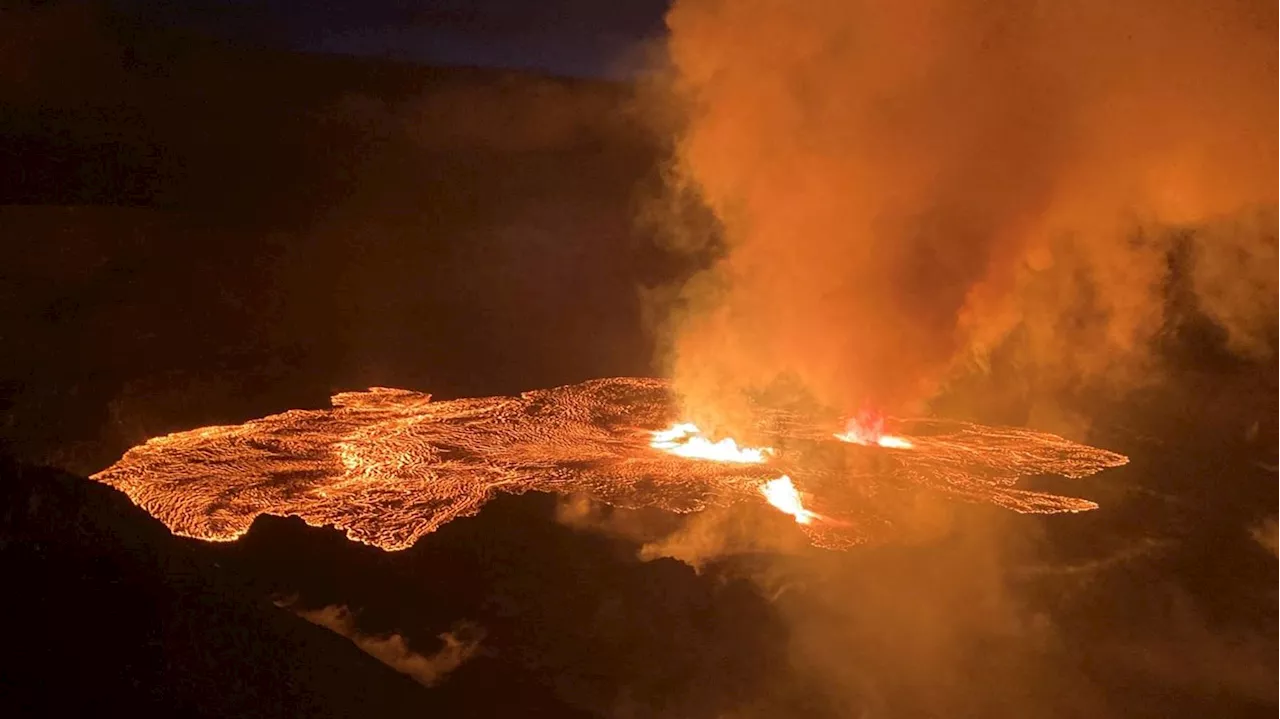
(1267, 534)
(392, 650)
(904, 191)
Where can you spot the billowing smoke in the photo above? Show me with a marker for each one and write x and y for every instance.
(905, 192)
(1267, 534)
(392, 649)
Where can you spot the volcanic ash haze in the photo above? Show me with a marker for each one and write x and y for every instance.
(902, 189)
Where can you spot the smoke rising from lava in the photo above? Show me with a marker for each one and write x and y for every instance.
(900, 190)
(457, 646)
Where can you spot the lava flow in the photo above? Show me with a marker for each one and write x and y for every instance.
(389, 466)
(685, 440)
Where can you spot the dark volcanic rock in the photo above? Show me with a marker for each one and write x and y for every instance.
(112, 614)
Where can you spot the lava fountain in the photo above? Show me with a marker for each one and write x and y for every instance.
(781, 493)
(686, 440)
(867, 428)
(388, 466)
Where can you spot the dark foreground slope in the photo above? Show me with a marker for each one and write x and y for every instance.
(112, 614)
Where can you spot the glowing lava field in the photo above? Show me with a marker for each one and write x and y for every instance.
(389, 466)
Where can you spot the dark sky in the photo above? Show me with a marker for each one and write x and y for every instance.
(569, 37)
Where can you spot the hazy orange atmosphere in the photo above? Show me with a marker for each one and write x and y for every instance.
(903, 190)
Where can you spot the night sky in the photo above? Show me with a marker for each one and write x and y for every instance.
(563, 37)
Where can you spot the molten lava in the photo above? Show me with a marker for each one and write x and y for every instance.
(867, 428)
(389, 466)
(782, 494)
(684, 440)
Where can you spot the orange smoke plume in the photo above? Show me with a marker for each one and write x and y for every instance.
(902, 187)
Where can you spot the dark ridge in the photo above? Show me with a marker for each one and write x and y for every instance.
(159, 118)
(113, 615)
(573, 609)
(191, 223)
